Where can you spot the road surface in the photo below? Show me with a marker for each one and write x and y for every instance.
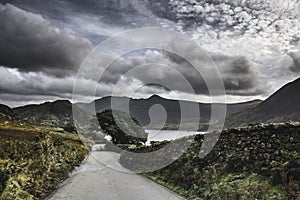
(101, 177)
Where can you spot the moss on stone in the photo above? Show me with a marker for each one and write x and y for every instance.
(256, 162)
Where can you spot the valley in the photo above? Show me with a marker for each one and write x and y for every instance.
(40, 146)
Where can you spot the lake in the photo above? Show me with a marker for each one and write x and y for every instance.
(161, 135)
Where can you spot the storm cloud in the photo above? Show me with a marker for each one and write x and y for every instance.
(239, 75)
(42, 44)
(31, 43)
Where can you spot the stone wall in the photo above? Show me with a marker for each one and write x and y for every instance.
(257, 148)
(269, 150)
(255, 162)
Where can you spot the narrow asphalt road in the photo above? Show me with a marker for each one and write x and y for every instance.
(101, 177)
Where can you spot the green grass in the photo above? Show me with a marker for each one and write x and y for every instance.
(241, 165)
(34, 160)
(225, 186)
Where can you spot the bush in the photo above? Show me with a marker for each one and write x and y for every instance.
(121, 127)
(70, 127)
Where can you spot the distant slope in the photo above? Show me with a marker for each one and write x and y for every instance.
(139, 108)
(282, 106)
(6, 113)
(53, 114)
(59, 113)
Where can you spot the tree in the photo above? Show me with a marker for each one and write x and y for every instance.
(70, 127)
(121, 127)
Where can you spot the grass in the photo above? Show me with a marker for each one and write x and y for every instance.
(226, 186)
(241, 165)
(34, 160)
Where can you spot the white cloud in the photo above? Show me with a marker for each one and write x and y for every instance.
(250, 41)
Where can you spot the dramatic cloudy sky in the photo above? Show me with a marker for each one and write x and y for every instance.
(255, 45)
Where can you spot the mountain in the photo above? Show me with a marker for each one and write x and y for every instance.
(59, 113)
(6, 113)
(282, 106)
(53, 114)
(139, 109)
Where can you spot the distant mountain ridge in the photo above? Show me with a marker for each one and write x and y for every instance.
(59, 113)
(282, 106)
(139, 109)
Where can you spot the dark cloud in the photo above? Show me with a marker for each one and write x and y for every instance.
(55, 9)
(239, 75)
(121, 13)
(37, 84)
(17, 88)
(30, 43)
(295, 66)
(41, 53)
(237, 72)
(164, 68)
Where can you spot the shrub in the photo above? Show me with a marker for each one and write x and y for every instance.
(121, 127)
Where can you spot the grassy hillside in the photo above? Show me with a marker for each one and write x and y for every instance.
(33, 161)
(282, 106)
(257, 162)
(6, 113)
(50, 114)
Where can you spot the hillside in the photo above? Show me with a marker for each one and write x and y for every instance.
(51, 114)
(33, 161)
(59, 113)
(6, 113)
(282, 106)
(139, 109)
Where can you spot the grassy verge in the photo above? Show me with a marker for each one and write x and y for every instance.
(225, 186)
(260, 162)
(33, 161)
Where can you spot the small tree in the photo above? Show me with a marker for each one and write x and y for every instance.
(121, 127)
(70, 127)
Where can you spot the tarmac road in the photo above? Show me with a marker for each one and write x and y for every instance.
(101, 177)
